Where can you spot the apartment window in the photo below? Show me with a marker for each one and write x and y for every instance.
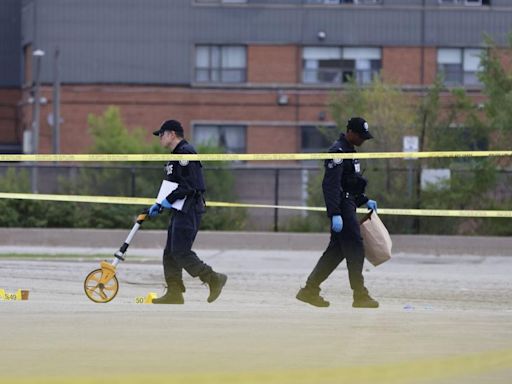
(315, 139)
(221, 1)
(466, 2)
(459, 66)
(334, 65)
(231, 138)
(221, 64)
(343, 1)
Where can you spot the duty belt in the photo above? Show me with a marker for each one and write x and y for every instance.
(349, 195)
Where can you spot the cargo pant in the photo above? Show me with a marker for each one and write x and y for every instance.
(346, 244)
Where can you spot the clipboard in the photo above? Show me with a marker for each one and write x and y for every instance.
(165, 190)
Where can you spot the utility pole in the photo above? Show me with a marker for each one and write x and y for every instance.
(38, 54)
(56, 103)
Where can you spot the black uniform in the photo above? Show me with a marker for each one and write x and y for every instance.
(343, 187)
(184, 224)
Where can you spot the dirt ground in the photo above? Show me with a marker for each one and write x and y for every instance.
(442, 320)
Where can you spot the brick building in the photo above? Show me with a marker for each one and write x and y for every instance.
(252, 75)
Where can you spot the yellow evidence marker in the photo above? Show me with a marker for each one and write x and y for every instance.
(145, 300)
(19, 295)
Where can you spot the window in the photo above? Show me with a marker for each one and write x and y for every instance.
(466, 2)
(459, 66)
(471, 65)
(221, 64)
(333, 65)
(316, 139)
(231, 138)
(221, 1)
(343, 1)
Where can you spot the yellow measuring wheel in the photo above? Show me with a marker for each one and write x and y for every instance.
(101, 285)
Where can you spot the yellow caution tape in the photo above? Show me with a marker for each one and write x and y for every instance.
(150, 201)
(251, 156)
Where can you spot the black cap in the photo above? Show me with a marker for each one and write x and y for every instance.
(359, 126)
(170, 125)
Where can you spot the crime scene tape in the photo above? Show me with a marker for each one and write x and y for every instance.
(221, 204)
(250, 156)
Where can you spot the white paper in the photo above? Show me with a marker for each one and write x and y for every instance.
(165, 190)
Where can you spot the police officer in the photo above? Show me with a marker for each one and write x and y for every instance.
(184, 224)
(343, 188)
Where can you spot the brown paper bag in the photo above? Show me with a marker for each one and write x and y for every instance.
(376, 240)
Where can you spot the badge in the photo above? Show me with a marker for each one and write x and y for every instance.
(357, 167)
(337, 161)
(183, 163)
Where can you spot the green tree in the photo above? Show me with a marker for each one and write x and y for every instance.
(444, 120)
(461, 125)
(220, 182)
(497, 81)
(110, 136)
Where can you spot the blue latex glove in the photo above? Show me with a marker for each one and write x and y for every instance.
(166, 204)
(337, 223)
(155, 210)
(372, 204)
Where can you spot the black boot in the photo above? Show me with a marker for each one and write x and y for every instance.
(216, 282)
(174, 294)
(311, 295)
(362, 299)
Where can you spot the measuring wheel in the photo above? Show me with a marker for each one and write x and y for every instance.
(101, 287)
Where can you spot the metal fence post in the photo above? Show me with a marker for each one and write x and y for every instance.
(132, 171)
(276, 200)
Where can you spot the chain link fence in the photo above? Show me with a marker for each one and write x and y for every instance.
(392, 186)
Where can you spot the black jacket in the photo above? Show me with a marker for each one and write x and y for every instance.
(342, 179)
(187, 174)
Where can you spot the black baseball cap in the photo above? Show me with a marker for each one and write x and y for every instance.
(170, 125)
(359, 126)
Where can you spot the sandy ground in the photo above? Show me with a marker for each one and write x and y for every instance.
(442, 320)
